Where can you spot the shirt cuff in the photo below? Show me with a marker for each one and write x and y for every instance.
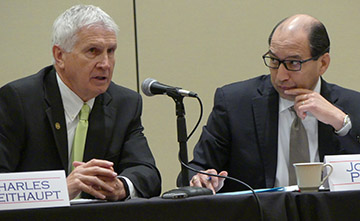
(129, 188)
(346, 127)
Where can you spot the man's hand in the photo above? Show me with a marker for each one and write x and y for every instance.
(89, 177)
(119, 191)
(312, 102)
(210, 182)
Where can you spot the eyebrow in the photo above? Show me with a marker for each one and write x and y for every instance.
(287, 58)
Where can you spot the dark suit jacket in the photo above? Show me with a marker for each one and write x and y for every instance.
(241, 135)
(29, 140)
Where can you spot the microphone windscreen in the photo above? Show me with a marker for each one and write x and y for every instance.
(146, 86)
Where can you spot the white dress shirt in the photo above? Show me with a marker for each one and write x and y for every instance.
(286, 118)
(72, 106)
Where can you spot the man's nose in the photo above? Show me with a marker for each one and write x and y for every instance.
(282, 72)
(105, 61)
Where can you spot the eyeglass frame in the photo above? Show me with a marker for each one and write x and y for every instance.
(300, 61)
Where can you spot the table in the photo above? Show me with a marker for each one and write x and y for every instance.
(276, 206)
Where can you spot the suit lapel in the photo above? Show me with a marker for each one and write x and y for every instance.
(327, 143)
(265, 107)
(55, 114)
(101, 124)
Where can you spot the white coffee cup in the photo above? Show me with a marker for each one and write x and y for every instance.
(308, 175)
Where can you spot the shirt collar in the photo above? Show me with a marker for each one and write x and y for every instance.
(71, 101)
(284, 104)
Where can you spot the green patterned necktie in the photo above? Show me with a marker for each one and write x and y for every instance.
(80, 135)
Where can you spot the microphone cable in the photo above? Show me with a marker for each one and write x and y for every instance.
(230, 178)
(219, 176)
(198, 122)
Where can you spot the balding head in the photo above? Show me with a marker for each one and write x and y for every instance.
(317, 36)
(297, 23)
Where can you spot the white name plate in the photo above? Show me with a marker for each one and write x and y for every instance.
(346, 173)
(26, 190)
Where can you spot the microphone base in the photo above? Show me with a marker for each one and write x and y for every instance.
(186, 191)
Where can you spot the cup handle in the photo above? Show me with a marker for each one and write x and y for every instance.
(327, 176)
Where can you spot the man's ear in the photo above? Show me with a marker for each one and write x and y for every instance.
(324, 63)
(58, 55)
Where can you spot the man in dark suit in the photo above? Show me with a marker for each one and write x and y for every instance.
(247, 133)
(39, 115)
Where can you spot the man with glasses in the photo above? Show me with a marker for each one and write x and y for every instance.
(249, 132)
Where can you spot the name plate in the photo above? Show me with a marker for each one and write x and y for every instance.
(346, 173)
(26, 190)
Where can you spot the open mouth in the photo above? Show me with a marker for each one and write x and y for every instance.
(100, 78)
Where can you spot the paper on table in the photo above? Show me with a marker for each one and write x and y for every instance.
(83, 201)
(276, 189)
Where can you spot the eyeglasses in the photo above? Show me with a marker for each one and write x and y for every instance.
(290, 64)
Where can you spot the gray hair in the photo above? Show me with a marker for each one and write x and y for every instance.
(69, 23)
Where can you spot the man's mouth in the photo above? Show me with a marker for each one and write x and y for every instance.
(285, 87)
(100, 78)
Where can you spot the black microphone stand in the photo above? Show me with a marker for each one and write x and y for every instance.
(182, 136)
(184, 190)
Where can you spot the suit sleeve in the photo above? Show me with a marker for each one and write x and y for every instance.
(11, 129)
(350, 143)
(137, 162)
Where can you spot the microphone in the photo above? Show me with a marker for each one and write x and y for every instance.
(151, 87)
